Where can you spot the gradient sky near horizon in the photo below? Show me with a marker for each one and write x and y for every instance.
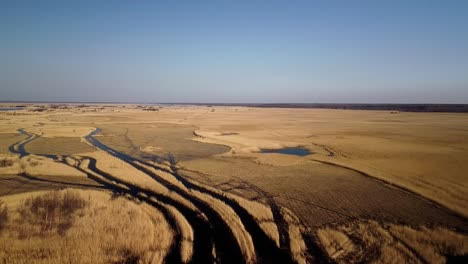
(234, 51)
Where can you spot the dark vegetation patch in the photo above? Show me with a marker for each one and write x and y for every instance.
(455, 108)
(3, 215)
(450, 108)
(38, 109)
(4, 162)
(229, 133)
(59, 106)
(151, 108)
(49, 212)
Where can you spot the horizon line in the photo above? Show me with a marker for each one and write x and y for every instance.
(221, 103)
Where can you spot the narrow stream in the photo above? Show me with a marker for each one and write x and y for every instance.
(227, 249)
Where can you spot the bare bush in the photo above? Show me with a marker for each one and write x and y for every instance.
(41, 109)
(6, 162)
(3, 215)
(102, 230)
(52, 210)
(154, 109)
(34, 163)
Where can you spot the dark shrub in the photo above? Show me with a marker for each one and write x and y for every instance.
(3, 215)
(52, 210)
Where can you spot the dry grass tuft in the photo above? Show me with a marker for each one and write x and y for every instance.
(228, 215)
(261, 212)
(3, 215)
(336, 243)
(49, 212)
(9, 164)
(297, 245)
(369, 241)
(186, 232)
(5, 162)
(433, 244)
(75, 226)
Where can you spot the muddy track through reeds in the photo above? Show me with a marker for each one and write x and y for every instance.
(276, 210)
(112, 184)
(278, 218)
(203, 241)
(265, 248)
(207, 234)
(214, 239)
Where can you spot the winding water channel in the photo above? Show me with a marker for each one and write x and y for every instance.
(214, 240)
(210, 235)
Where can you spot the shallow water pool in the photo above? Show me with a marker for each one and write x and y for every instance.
(297, 151)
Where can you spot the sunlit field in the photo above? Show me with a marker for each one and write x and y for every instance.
(101, 183)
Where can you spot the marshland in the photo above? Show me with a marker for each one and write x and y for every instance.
(198, 185)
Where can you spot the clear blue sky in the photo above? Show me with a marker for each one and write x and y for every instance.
(235, 51)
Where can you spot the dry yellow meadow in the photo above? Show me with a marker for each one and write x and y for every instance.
(361, 186)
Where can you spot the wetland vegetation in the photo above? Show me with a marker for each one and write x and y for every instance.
(206, 193)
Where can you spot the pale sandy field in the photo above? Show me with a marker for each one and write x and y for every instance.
(378, 186)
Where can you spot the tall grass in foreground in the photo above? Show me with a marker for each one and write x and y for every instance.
(50, 212)
(75, 226)
(3, 215)
(369, 241)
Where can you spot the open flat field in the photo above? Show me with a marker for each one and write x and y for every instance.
(376, 186)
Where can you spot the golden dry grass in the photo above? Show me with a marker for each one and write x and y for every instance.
(59, 130)
(129, 174)
(186, 233)
(318, 193)
(297, 245)
(335, 242)
(259, 211)
(426, 153)
(369, 241)
(228, 215)
(97, 229)
(433, 243)
(36, 166)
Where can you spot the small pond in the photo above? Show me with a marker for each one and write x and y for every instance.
(297, 151)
